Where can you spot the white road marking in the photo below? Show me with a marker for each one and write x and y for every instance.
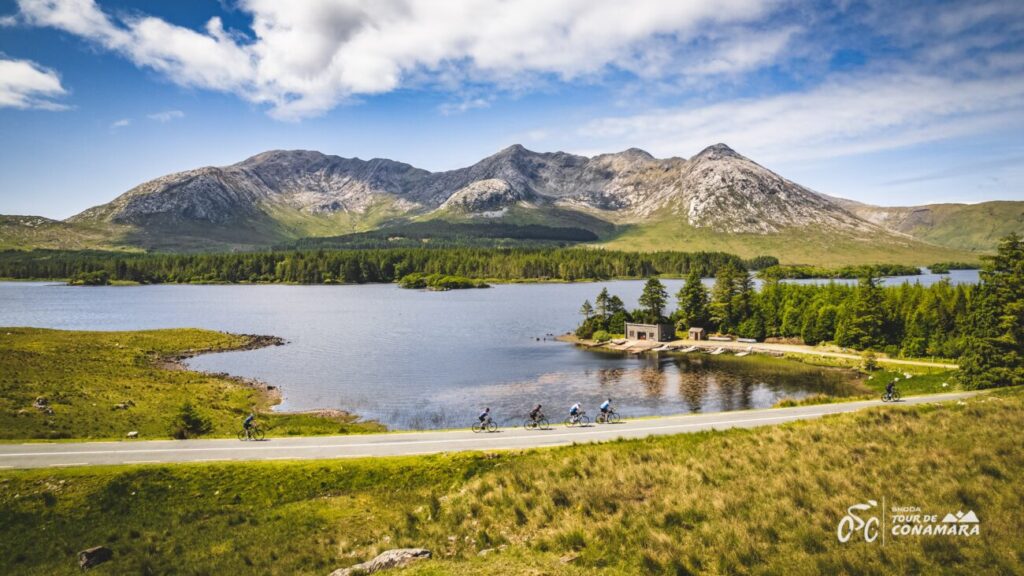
(402, 444)
(476, 439)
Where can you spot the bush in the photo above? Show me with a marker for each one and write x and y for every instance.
(190, 423)
(602, 336)
(870, 362)
(99, 278)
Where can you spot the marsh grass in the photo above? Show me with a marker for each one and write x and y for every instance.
(84, 376)
(760, 501)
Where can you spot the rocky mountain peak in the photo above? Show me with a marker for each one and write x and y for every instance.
(717, 152)
(718, 188)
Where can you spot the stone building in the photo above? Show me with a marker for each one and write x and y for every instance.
(656, 332)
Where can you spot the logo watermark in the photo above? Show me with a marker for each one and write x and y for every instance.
(869, 521)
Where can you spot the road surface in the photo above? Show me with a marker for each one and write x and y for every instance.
(40, 455)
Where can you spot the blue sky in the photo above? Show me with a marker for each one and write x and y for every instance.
(887, 102)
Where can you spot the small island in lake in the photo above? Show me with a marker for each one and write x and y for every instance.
(439, 282)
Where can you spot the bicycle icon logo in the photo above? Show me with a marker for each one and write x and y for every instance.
(852, 524)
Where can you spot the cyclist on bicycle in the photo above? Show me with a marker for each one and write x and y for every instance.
(890, 387)
(574, 411)
(485, 416)
(248, 422)
(606, 407)
(536, 414)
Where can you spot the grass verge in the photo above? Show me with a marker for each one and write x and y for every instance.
(761, 501)
(101, 385)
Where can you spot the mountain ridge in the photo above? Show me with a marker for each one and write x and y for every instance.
(276, 196)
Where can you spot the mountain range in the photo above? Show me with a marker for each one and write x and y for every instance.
(716, 200)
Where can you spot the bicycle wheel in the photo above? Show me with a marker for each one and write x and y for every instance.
(478, 426)
(895, 396)
(529, 423)
(543, 424)
(241, 434)
(584, 420)
(492, 427)
(569, 422)
(258, 434)
(614, 418)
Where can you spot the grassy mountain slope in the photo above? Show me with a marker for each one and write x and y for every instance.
(972, 227)
(792, 246)
(27, 232)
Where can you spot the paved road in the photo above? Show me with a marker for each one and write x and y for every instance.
(38, 455)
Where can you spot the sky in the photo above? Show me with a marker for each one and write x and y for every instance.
(882, 101)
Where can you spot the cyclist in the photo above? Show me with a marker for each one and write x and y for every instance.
(536, 414)
(248, 424)
(890, 387)
(606, 407)
(574, 411)
(485, 416)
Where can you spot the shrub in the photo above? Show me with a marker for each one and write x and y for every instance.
(870, 362)
(602, 336)
(190, 423)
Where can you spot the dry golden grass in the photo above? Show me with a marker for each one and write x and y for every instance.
(764, 501)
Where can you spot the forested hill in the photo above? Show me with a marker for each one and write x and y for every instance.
(359, 266)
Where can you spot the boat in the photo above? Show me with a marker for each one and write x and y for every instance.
(720, 338)
(745, 352)
(747, 340)
(689, 349)
(619, 341)
(717, 351)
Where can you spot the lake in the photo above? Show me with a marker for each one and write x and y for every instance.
(416, 359)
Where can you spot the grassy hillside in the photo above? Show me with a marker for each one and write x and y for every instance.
(84, 375)
(975, 227)
(797, 246)
(28, 232)
(764, 501)
(962, 233)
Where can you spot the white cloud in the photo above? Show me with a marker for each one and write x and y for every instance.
(450, 108)
(741, 52)
(122, 123)
(305, 57)
(6, 21)
(27, 85)
(852, 115)
(166, 116)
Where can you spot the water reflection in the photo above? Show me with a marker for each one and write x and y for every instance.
(441, 358)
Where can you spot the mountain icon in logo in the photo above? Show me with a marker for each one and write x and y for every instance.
(969, 518)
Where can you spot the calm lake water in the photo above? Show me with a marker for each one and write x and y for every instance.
(415, 359)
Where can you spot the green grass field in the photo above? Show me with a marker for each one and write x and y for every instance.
(84, 375)
(804, 246)
(764, 501)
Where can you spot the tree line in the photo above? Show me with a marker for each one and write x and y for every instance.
(361, 266)
(981, 325)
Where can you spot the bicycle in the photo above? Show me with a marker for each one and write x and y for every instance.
(538, 423)
(853, 524)
(485, 426)
(609, 417)
(893, 396)
(580, 419)
(254, 432)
